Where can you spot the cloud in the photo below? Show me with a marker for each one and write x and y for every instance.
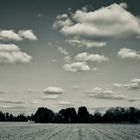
(34, 102)
(134, 99)
(91, 57)
(27, 34)
(50, 97)
(123, 5)
(133, 85)
(53, 90)
(64, 103)
(53, 60)
(7, 35)
(11, 54)
(85, 43)
(101, 93)
(75, 87)
(113, 21)
(136, 80)
(62, 50)
(76, 67)
(118, 85)
(67, 59)
(128, 54)
(13, 107)
(11, 101)
(95, 69)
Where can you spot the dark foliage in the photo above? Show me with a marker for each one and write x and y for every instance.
(44, 115)
(69, 115)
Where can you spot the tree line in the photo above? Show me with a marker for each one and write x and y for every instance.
(69, 115)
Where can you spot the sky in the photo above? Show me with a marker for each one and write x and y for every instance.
(60, 54)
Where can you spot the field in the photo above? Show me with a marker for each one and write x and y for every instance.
(28, 131)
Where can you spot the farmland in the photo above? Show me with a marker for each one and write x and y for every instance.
(31, 131)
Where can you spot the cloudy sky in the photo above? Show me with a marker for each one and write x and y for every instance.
(69, 53)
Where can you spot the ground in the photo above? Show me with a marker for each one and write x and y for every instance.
(31, 131)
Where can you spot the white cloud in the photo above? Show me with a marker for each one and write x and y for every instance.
(136, 80)
(133, 85)
(27, 34)
(67, 59)
(76, 67)
(7, 35)
(75, 87)
(85, 43)
(11, 101)
(95, 69)
(118, 85)
(11, 54)
(101, 93)
(62, 50)
(51, 97)
(91, 57)
(64, 103)
(53, 90)
(113, 21)
(123, 5)
(62, 21)
(98, 90)
(128, 53)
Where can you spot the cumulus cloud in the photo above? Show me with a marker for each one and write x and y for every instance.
(136, 80)
(27, 34)
(76, 67)
(128, 54)
(123, 5)
(134, 84)
(91, 57)
(53, 90)
(62, 50)
(7, 35)
(113, 21)
(101, 93)
(12, 54)
(67, 59)
(85, 43)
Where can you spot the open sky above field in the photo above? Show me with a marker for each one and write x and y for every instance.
(62, 53)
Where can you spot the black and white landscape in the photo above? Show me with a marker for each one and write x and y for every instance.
(57, 56)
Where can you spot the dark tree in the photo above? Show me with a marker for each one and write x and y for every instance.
(97, 117)
(83, 115)
(44, 115)
(69, 115)
(21, 118)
